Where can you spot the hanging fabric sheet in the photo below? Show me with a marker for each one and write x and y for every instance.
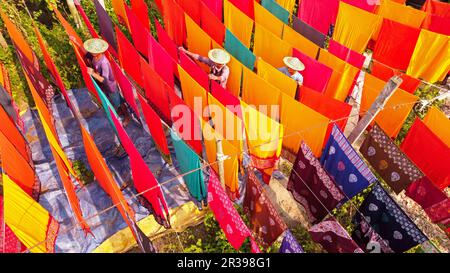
(333, 237)
(265, 221)
(437, 8)
(437, 24)
(129, 58)
(391, 48)
(431, 58)
(312, 187)
(216, 6)
(211, 24)
(354, 27)
(388, 220)
(309, 32)
(194, 95)
(29, 221)
(256, 91)
(388, 160)
(197, 40)
(238, 50)
(433, 201)
(396, 109)
(246, 6)
(105, 24)
(154, 125)
(191, 8)
(140, 35)
(401, 14)
(165, 41)
(316, 75)
(143, 179)
(290, 244)
(300, 42)
(429, 153)
(189, 162)
(438, 123)
(287, 4)
(275, 77)
(319, 14)
(174, 21)
(369, 6)
(9, 243)
(119, 10)
(309, 126)
(344, 164)
(268, 20)
(13, 135)
(384, 73)
(346, 54)
(226, 215)
(238, 22)
(269, 47)
(277, 10)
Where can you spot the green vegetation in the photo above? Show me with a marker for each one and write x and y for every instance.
(85, 174)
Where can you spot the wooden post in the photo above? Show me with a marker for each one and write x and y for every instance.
(220, 158)
(376, 107)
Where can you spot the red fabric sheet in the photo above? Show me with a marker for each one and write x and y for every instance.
(437, 8)
(344, 53)
(216, 6)
(429, 153)
(154, 125)
(156, 91)
(187, 127)
(316, 75)
(140, 35)
(329, 107)
(174, 21)
(211, 24)
(166, 42)
(195, 71)
(143, 178)
(384, 73)
(125, 85)
(395, 44)
(319, 14)
(11, 132)
(226, 98)
(129, 57)
(437, 24)
(162, 61)
(246, 6)
(192, 8)
(368, 5)
(140, 9)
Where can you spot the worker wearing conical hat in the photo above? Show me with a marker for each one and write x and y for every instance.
(217, 60)
(293, 68)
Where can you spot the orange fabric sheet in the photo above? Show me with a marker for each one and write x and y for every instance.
(276, 78)
(256, 91)
(197, 40)
(68, 28)
(391, 118)
(302, 123)
(268, 20)
(343, 77)
(300, 42)
(119, 9)
(193, 91)
(431, 58)
(13, 134)
(438, 123)
(238, 23)
(269, 47)
(355, 27)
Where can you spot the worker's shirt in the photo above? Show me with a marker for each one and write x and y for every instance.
(223, 72)
(103, 68)
(296, 76)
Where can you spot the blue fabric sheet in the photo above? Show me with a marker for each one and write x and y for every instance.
(238, 50)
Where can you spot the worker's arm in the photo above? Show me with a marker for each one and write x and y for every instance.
(95, 75)
(190, 54)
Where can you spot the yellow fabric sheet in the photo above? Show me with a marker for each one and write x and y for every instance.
(269, 47)
(235, 77)
(342, 77)
(238, 23)
(231, 165)
(27, 218)
(226, 123)
(300, 42)
(302, 123)
(197, 40)
(439, 124)
(287, 4)
(431, 58)
(193, 91)
(182, 217)
(391, 118)
(355, 27)
(256, 91)
(268, 20)
(264, 135)
(278, 79)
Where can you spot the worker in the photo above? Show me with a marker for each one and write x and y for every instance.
(217, 61)
(293, 68)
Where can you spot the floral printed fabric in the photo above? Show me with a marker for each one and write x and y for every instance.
(312, 187)
(389, 221)
(290, 244)
(388, 160)
(333, 237)
(264, 219)
(346, 167)
(366, 237)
